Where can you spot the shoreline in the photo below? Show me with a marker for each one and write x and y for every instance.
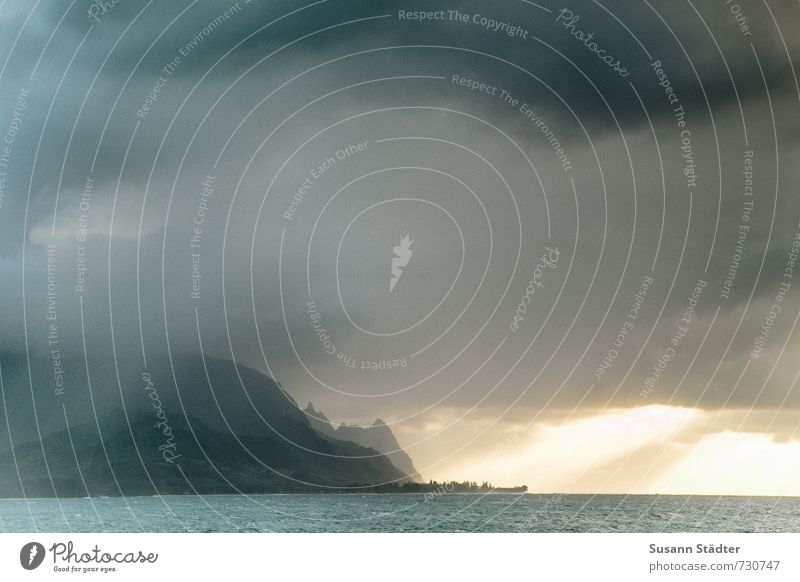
(404, 493)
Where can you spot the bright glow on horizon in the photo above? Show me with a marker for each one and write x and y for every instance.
(731, 463)
(648, 449)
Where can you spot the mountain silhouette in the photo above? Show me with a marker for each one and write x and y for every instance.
(378, 436)
(198, 425)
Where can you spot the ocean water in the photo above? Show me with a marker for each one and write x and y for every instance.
(403, 513)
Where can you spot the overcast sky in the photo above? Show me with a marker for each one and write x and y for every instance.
(299, 143)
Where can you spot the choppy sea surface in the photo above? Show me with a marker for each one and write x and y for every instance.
(403, 513)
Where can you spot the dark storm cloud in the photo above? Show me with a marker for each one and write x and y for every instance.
(146, 36)
(149, 40)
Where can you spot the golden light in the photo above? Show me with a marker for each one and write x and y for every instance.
(648, 449)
